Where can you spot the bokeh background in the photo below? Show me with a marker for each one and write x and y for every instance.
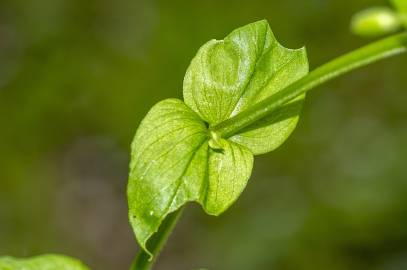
(77, 77)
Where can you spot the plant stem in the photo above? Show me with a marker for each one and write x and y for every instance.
(361, 57)
(156, 243)
(375, 51)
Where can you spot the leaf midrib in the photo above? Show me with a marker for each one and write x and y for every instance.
(261, 55)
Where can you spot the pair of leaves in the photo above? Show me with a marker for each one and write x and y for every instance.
(176, 159)
(45, 262)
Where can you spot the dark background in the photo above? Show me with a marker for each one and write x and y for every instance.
(76, 78)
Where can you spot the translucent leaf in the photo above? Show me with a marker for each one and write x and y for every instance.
(229, 171)
(44, 262)
(228, 76)
(271, 132)
(176, 158)
(172, 164)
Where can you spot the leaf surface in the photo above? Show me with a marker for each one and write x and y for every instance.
(228, 76)
(229, 171)
(176, 158)
(172, 164)
(44, 262)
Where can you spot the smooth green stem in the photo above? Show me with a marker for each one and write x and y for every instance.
(156, 243)
(361, 57)
(378, 50)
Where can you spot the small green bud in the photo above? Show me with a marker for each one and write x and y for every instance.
(375, 21)
(216, 142)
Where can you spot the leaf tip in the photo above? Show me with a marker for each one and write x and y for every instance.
(141, 237)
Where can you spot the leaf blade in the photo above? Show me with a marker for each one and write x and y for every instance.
(271, 132)
(172, 164)
(175, 157)
(228, 174)
(221, 70)
(168, 141)
(218, 89)
(291, 66)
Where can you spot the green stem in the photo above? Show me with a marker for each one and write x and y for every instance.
(378, 50)
(156, 243)
(361, 57)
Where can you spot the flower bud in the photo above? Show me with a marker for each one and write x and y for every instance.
(375, 21)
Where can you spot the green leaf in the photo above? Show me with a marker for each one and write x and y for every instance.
(176, 158)
(172, 164)
(228, 76)
(228, 172)
(44, 262)
(270, 132)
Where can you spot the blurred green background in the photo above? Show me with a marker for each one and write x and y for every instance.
(76, 78)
